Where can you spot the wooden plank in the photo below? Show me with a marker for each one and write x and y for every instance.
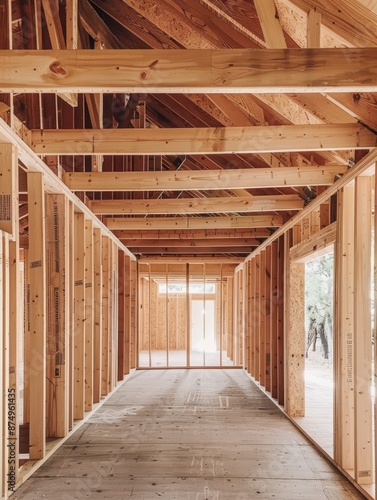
(295, 343)
(150, 251)
(127, 315)
(8, 189)
(257, 317)
(196, 243)
(2, 383)
(121, 316)
(198, 205)
(202, 71)
(363, 326)
(26, 350)
(314, 243)
(134, 314)
(274, 296)
(253, 323)
(269, 20)
(267, 312)
(71, 310)
(97, 286)
(79, 333)
(37, 316)
(191, 234)
(7, 416)
(314, 29)
(281, 302)
(161, 141)
(72, 24)
(105, 315)
(344, 423)
(58, 341)
(15, 312)
(203, 179)
(89, 314)
(262, 319)
(142, 223)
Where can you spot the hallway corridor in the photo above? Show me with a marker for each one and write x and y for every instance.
(187, 435)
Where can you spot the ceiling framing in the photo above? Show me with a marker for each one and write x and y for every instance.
(191, 128)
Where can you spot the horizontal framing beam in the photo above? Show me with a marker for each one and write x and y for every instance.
(204, 180)
(156, 141)
(194, 234)
(195, 251)
(191, 243)
(198, 205)
(191, 260)
(188, 71)
(247, 222)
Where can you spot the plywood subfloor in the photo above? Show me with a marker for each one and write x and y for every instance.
(187, 435)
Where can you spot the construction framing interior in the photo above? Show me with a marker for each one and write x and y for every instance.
(141, 183)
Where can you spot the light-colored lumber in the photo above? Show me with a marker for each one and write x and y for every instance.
(89, 314)
(97, 320)
(192, 243)
(228, 204)
(142, 223)
(161, 141)
(199, 71)
(79, 332)
(37, 315)
(58, 294)
(191, 234)
(314, 243)
(121, 316)
(127, 314)
(344, 330)
(8, 189)
(363, 328)
(314, 29)
(106, 272)
(269, 21)
(203, 180)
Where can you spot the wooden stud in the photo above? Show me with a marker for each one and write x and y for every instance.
(71, 311)
(127, 315)
(37, 315)
(363, 326)
(6, 417)
(97, 341)
(121, 316)
(274, 296)
(267, 313)
(257, 317)
(281, 302)
(58, 359)
(79, 332)
(89, 314)
(344, 406)
(262, 319)
(105, 315)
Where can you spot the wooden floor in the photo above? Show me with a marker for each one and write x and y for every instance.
(187, 435)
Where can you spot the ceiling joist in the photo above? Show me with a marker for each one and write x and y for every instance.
(176, 71)
(219, 140)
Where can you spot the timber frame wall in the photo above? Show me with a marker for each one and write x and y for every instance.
(269, 295)
(68, 315)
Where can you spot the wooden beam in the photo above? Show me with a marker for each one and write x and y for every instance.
(172, 141)
(106, 271)
(198, 205)
(197, 251)
(203, 179)
(191, 260)
(314, 29)
(192, 234)
(193, 244)
(199, 71)
(37, 316)
(141, 223)
(269, 20)
(127, 314)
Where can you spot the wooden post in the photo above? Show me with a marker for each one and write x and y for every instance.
(2, 384)
(89, 314)
(97, 285)
(134, 309)
(267, 312)
(257, 318)
(253, 324)
(262, 319)
(71, 311)
(344, 423)
(37, 315)
(57, 250)
(363, 325)
(121, 317)
(274, 318)
(79, 333)
(105, 315)
(281, 302)
(26, 416)
(5, 394)
(127, 314)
